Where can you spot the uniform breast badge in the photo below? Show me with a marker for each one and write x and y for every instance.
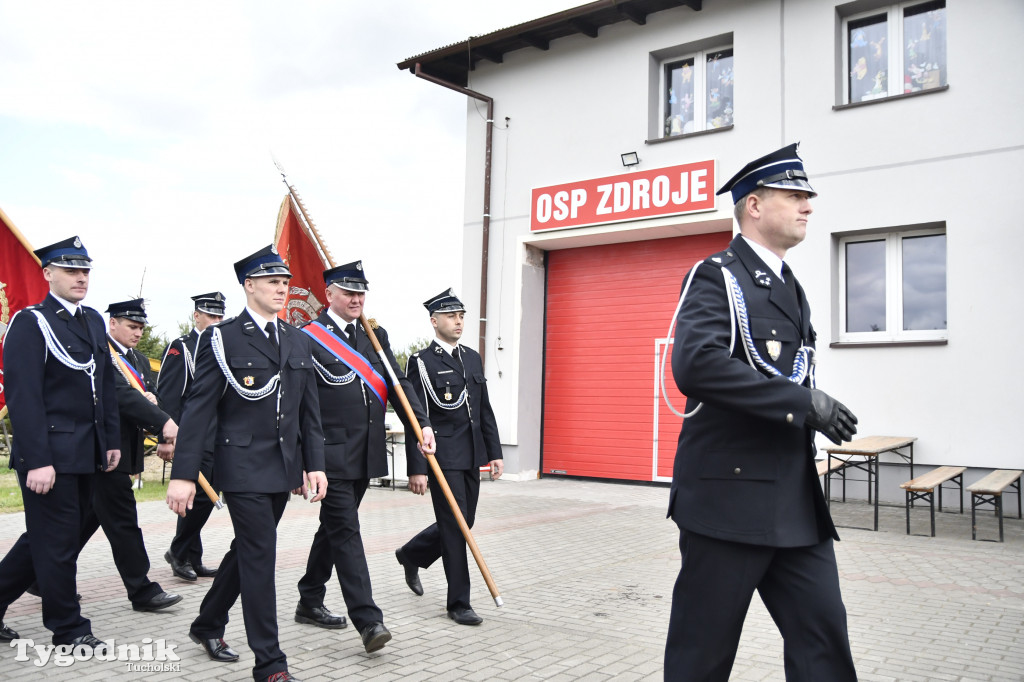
(249, 381)
(774, 348)
(448, 393)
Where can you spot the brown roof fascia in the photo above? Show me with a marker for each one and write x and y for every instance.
(453, 62)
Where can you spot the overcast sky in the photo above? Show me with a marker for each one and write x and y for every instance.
(147, 129)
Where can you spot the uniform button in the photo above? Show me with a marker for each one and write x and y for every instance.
(227, 440)
(281, 439)
(737, 471)
(728, 253)
(774, 333)
(250, 364)
(789, 418)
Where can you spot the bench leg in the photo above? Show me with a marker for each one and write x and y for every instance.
(974, 518)
(931, 506)
(1019, 516)
(908, 511)
(999, 511)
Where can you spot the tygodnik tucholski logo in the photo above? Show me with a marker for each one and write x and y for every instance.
(151, 655)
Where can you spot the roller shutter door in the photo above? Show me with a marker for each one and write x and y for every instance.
(607, 307)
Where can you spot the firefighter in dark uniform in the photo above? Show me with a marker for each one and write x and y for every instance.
(255, 378)
(60, 394)
(449, 380)
(350, 375)
(177, 370)
(113, 503)
(745, 493)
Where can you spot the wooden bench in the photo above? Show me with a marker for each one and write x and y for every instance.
(989, 490)
(827, 467)
(923, 488)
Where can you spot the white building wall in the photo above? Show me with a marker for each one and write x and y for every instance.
(955, 157)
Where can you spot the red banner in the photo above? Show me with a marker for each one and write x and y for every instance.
(21, 280)
(306, 292)
(644, 194)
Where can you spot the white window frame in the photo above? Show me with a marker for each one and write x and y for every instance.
(700, 69)
(894, 36)
(894, 331)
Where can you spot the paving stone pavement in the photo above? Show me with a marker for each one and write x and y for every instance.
(586, 571)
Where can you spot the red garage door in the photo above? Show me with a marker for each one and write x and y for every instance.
(607, 308)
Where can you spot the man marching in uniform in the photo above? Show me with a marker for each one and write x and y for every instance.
(60, 394)
(113, 502)
(255, 378)
(745, 493)
(353, 395)
(449, 380)
(177, 371)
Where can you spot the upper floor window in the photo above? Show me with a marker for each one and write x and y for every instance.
(893, 286)
(895, 50)
(697, 91)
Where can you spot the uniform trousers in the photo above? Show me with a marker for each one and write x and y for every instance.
(338, 545)
(798, 585)
(47, 553)
(444, 538)
(248, 570)
(187, 544)
(114, 508)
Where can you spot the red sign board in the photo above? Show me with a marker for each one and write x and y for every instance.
(645, 194)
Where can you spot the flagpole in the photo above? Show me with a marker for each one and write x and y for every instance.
(400, 392)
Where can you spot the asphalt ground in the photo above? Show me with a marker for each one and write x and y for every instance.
(585, 571)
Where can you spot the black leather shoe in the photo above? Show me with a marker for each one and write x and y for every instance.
(375, 636)
(319, 616)
(204, 571)
(412, 574)
(86, 641)
(33, 589)
(217, 649)
(182, 569)
(283, 676)
(9, 635)
(157, 602)
(465, 616)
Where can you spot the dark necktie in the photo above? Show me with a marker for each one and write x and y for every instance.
(790, 278)
(272, 335)
(80, 316)
(350, 332)
(458, 358)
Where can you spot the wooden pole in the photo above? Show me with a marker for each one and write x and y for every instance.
(400, 392)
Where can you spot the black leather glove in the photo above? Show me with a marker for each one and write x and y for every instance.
(831, 417)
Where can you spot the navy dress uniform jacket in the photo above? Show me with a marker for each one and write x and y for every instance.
(466, 438)
(138, 415)
(353, 419)
(175, 378)
(252, 452)
(51, 406)
(744, 469)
